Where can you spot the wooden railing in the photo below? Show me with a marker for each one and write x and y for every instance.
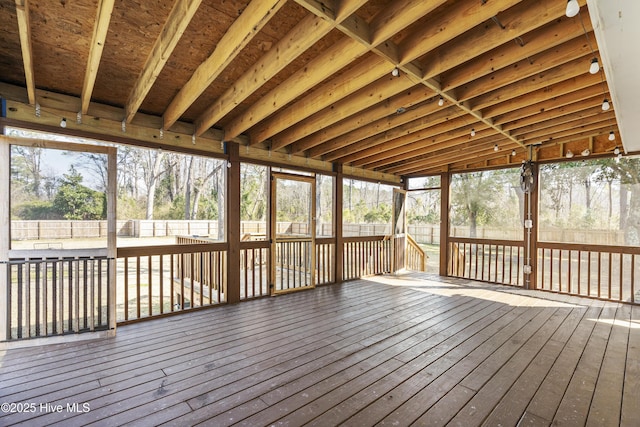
(325, 266)
(496, 261)
(415, 258)
(254, 269)
(155, 280)
(57, 295)
(292, 264)
(597, 271)
(365, 256)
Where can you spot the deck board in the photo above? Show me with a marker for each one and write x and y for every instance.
(408, 350)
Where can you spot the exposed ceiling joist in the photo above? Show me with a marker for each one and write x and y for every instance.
(173, 29)
(100, 28)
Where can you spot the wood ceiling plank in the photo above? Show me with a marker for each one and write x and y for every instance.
(535, 42)
(559, 74)
(360, 122)
(374, 93)
(241, 32)
(391, 138)
(24, 28)
(544, 98)
(177, 22)
(540, 63)
(100, 28)
(335, 91)
(451, 22)
(317, 70)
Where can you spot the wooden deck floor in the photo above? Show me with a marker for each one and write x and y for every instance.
(416, 350)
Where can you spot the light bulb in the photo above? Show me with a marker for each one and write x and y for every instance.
(395, 72)
(513, 153)
(612, 136)
(585, 152)
(572, 8)
(495, 147)
(616, 151)
(594, 67)
(63, 123)
(473, 132)
(605, 105)
(569, 154)
(441, 101)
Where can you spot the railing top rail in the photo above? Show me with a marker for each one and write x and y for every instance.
(364, 238)
(634, 250)
(486, 241)
(58, 253)
(170, 249)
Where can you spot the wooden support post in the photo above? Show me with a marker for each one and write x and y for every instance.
(445, 179)
(337, 206)
(5, 239)
(533, 243)
(233, 222)
(112, 249)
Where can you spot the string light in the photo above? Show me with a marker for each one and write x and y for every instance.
(441, 101)
(594, 67)
(616, 150)
(473, 132)
(495, 147)
(573, 8)
(612, 137)
(569, 154)
(605, 105)
(63, 123)
(395, 72)
(513, 153)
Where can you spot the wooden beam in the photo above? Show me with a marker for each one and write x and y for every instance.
(569, 128)
(448, 24)
(501, 42)
(443, 136)
(575, 49)
(24, 27)
(406, 99)
(233, 223)
(381, 89)
(551, 113)
(402, 133)
(177, 22)
(531, 84)
(335, 91)
(329, 62)
(562, 93)
(525, 46)
(298, 40)
(399, 14)
(560, 116)
(242, 31)
(444, 143)
(100, 28)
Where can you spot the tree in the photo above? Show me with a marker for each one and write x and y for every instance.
(74, 201)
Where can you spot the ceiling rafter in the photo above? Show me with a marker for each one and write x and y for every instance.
(298, 40)
(377, 89)
(171, 33)
(100, 28)
(359, 123)
(242, 31)
(24, 28)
